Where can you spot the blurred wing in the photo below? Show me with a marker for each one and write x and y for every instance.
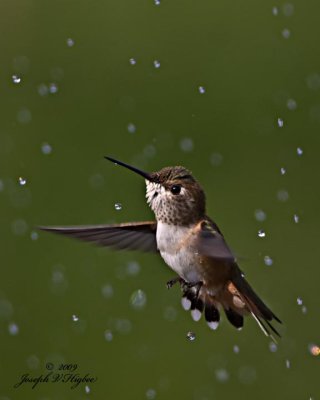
(211, 242)
(126, 236)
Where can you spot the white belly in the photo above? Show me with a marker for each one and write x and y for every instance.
(171, 244)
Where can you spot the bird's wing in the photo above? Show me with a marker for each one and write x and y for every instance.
(211, 242)
(126, 236)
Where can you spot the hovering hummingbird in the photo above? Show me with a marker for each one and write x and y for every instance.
(190, 243)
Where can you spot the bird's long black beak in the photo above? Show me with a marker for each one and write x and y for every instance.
(146, 175)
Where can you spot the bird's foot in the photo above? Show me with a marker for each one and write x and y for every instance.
(174, 281)
(187, 286)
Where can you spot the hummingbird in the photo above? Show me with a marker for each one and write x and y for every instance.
(190, 243)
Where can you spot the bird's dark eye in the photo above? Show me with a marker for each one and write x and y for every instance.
(175, 189)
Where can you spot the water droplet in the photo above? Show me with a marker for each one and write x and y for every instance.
(216, 159)
(314, 349)
(132, 61)
(19, 227)
(16, 79)
(118, 206)
(108, 335)
(201, 89)
(87, 389)
(288, 364)
(157, 2)
(296, 218)
(34, 235)
(275, 11)
(156, 64)
(288, 9)
(186, 144)
(138, 299)
(291, 104)
(149, 150)
(33, 362)
(236, 349)
(299, 151)
(22, 181)
(43, 89)
(96, 181)
(222, 375)
(24, 116)
(123, 326)
(260, 215)
(133, 268)
(280, 122)
(304, 309)
(151, 394)
(283, 195)
(170, 313)
(107, 291)
(283, 171)
(75, 318)
(268, 261)
(313, 81)
(131, 128)
(46, 148)
(70, 42)
(6, 309)
(286, 33)
(13, 328)
(261, 233)
(1, 185)
(53, 88)
(191, 336)
(299, 301)
(273, 347)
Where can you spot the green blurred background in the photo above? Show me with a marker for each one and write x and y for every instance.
(228, 89)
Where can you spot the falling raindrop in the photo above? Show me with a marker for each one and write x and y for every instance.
(261, 233)
(133, 268)
(299, 151)
(283, 171)
(46, 148)
(13, 328)
(19, 226)
(157, 2)
(70, 42)
(156, 64)
(280, 122)
(299, 301)
(108, 335)
(53, 88)
(151, 394)
(236, 349)
(191, 336)
(124, 326)
(16, 79)
(268, 261)
(75, 318)
(273, 347)
(43, 89)
(288, 9)
(138, 299)
(118, 206)
(24, 116)
(186, 144)
(288, 364)
(291, 104)
(286, 33)
(304, 309)
(22, 181)
(201, 89)
(283, 195)
(34, 235)
(222, 375)
(296, 218)
(87, 389)
(131, 128)
(275, 11)
(260, 215)
(132, 61)
(216, 159)
(107, 291)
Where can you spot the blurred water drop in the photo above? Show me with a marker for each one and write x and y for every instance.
(299, 151)
(108, 335)
(313, 81)
(236, 349)
(299, 301)
(273, 347)
(24, 116)
(201, 89)
(34, 235)
(288, 364)
(132, 61)
(58, 282)
(186, 144)
(149, 150)
(46, 148)
(1, 185)
(75, 318)
(268, 261)
(22, 181)
(260, 215)
(191, 336)
(286, 33)
(170, 313)
(216, 159)
(261, 233)
(131, 128)
(13, 329)
(33, 362)
(280, 122)
(156, 64)
(53, 88)
(138, 299)
(6, 309)
(291, 104)
(283, 195)
(151, 394)
(70, 42)
(43, 89)
(304, 309)
(16, 79)
(107, 291)
(157, 2)
(118, 206)
(133, 268)
(314, 349)
(275, 11)
(123, 326)
(19, 227)
(87, 389)
(96, 181)
(222, 375)
(283, 171)
(288, 9)
(296, 218)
